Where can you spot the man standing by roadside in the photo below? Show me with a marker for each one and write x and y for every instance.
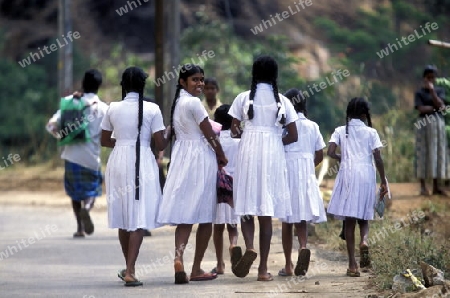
(83, 177)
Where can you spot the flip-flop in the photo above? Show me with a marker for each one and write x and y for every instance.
(180, 274)
(214, 271)
(203, 277)
(364, 256)
(269, 277)
(304, 256)
(282, 272)
(121, 274)
(87, 222)
(236, 255)
(133, 283)
(353, 273)
(78, 235)
(242, 268)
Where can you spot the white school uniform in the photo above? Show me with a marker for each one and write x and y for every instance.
(306, 200)
(190, 194)
(224, 213)
(260, 185)
(124, 211)
(355, 190)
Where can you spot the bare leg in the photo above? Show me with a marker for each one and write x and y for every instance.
(124, 239)
(248, 231)
(204, 232)
(302, 233)
(350, 224)
(218, 244)
(134, 244)
(76, 206)
(363, 231)
(423, 187)
(286, 239)
(265, 236)
(232, 234)
(182, 233)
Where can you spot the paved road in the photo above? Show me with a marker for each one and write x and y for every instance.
(39, 258)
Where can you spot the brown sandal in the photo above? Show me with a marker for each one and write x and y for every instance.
(180, 274)
(242, 268)
(304, 256)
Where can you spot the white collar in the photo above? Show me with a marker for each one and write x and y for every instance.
(185, 93)
(132, 96)
(301, 115)
(356, 122)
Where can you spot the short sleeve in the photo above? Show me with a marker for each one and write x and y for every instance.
(418, 102)
(237, 107)
(335, 137)
(291, 115)
(320, 144)
(198, 110)
(106, 122)
(375, 141)
(157, 121)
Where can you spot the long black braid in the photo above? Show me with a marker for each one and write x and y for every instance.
(355, 109)
(251, 112)
(277, 99)
(265, 70)
(133, 80)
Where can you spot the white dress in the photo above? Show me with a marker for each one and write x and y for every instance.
(355, 190)
(306, 200)
(190, 194)
(224, 212)
(260, 185)
(124, 211)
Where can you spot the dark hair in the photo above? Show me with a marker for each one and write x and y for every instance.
(265, 70)
(133, 80)
(298, 99)
(429, 69)
(221, 115)
(355, 109)
(212, 81)
(186, 71)
(91, 81)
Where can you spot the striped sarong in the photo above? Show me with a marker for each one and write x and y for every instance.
(81, 183)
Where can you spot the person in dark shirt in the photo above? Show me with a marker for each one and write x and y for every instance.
(431, 142)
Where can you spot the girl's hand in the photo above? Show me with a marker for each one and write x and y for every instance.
(383, 190)
(222, 161)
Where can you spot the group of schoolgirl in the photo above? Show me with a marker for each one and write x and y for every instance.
(266, 144)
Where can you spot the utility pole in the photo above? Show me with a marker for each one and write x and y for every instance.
(172, 45)
(65, 55)
(159, 53)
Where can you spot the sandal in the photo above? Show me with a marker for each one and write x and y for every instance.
(242, 268)
(353, 273)
(180, 274)
(364, 256)
(78, 235)
(204, 276)
(121, 274)
(236, 255)
(214, 271)
(267, 277)
(283, 273)
(304, 256)
(133, 283)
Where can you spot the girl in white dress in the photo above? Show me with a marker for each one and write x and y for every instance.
(189, 195)
(307, 204)
(131, 178)
(354, 191)
(224, 212)
(260, 186)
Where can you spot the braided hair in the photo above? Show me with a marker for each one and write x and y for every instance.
(355, 109)
(265, 70)
(186, 71)
(133, 80)
(298, 100)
